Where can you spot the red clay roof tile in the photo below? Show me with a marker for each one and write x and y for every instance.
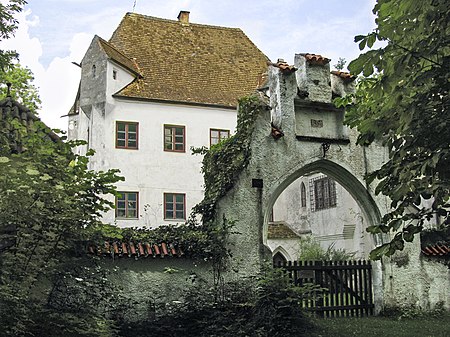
(436, 250)
(344, 75)
(315, 59)
(284, 67)
(123, 249)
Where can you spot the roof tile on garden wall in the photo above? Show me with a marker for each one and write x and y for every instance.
(344, 75)
(315, 59)
(135, 249)
(436, 250)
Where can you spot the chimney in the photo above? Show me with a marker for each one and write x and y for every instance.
(183, 17)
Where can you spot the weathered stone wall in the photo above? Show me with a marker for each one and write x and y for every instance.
(155, 283)
(412, 280)
(277, 163)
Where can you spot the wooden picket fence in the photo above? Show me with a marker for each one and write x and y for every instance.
(346, 286)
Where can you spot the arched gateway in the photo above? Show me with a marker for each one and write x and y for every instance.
(301, 132)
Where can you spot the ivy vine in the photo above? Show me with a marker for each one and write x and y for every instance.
(221, 167)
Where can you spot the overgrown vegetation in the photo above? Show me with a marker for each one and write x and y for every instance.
(272, 309)
(311, 250)
(402, 100)
(22, 88)
(224, 162)
(48, 197)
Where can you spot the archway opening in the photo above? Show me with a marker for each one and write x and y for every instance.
(324, 203)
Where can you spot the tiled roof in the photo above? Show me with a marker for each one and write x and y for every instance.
(315, 59)
(344, 75)
(436, 250)
(279, 230)
(187, 62)
(118, 57)
(10, 108)
(135, 249)
(284, 67)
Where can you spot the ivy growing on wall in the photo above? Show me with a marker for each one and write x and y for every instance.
(221, 167)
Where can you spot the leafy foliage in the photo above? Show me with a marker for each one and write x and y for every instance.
(340, 65)
(311, 250)
(47, 198)
(224, 162)
(8, 25)
(22, 89)
(274, 309)
(403, 101)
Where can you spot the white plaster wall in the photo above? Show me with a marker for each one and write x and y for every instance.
(342, 226)
(150, 170)
(413, 280)
(290, 248)
(122, 79)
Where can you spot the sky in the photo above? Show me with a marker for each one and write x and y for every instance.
(54, 33)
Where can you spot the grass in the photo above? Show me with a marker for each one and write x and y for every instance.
(384, 327)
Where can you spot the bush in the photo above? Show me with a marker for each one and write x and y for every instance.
(311, 250)
(272, 308)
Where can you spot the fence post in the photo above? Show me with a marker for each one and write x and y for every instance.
(318, 281)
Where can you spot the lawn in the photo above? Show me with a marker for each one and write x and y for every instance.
(384, 327)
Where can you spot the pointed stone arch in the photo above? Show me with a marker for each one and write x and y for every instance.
(337, 172)
(281, 251)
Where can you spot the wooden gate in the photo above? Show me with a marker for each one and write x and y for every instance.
(347, 286)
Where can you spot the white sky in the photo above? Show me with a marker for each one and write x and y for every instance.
(53, 33)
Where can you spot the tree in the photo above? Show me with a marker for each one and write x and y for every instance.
(402, 100)
(340, 65)
(48, 199)
(8, 25)
(22, 89)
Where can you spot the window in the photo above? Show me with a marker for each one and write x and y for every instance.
(114, 74)
(216, 136)
(127, 135)
(94, 71)
(303, 194)
(174, 138)
(127, 205)
(324, 193)
(174, 206)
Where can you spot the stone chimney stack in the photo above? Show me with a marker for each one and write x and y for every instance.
(313, 77)
(183, 17)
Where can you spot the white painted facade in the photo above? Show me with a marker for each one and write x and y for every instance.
(148, 170)
(341, 226)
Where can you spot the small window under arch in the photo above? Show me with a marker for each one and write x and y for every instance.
(279, 259)
(303, 194)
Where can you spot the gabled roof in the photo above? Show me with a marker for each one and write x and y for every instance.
(186, 62)
(118, 57)
(280, 230)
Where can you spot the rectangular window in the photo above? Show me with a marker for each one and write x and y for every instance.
(217, 135)
(127, 205)
(174, 206)
(127, 135)
(174, 138)
(324, 193)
